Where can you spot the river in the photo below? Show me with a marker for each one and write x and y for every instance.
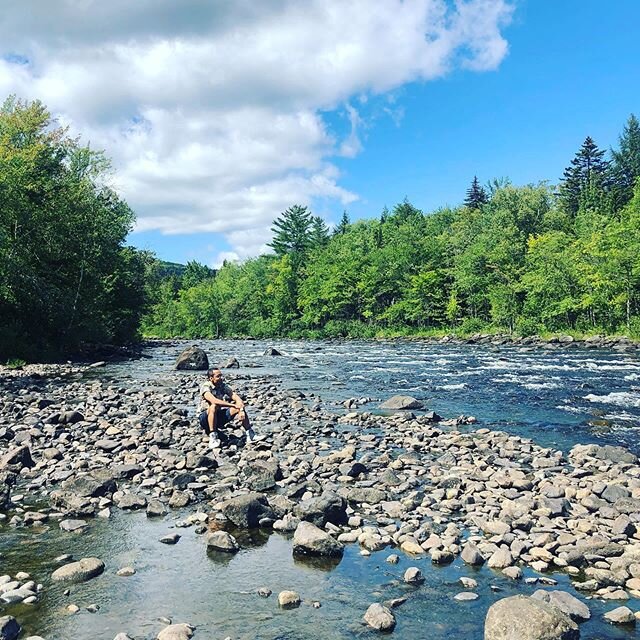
(558, 397)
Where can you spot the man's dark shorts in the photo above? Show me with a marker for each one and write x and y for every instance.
(223, 415)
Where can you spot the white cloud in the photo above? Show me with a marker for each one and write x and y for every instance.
(212, 110)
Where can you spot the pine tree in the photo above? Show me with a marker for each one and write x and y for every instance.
(587, 173)
(476, 195)
(343, 225)
(384, 215)
(625, 167)
(319, 233)
(292, 231)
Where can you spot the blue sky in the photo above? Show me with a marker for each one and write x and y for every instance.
(218, 116)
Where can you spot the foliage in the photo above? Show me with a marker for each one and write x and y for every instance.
(526, 259)
(65, 277)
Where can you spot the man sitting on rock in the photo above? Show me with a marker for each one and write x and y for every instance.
(219, 404)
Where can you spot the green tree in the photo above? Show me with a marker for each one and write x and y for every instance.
(195, 273)
(476, 195)
(292, 232)
(585, 178)
(625, 165)
(319, 232)
(343, 225)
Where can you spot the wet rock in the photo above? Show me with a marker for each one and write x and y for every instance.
(192, 359)
(567, 603)
(272, 351)
(369, 495)
(472, 556)
(16, 459)
(466, 596)
(222, 541)
(402, 403)
(528, 619)
(230, 363)
(288, 599)
(177, 632)
(247, 511)
(79, 571)
(380, 617)
(126, 572)
(264, 592)
(73, 525)
(414, 576)
(329, 507)
(156, 509)
(130, 501)
(170, 538)
(621, 615)
(311, 540)
(262, 475)
(91, 485)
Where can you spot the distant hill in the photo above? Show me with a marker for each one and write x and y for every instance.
(167, 269)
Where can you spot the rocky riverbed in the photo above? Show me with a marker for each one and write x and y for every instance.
(411, 492)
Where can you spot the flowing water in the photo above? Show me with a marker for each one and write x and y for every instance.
(558, 398)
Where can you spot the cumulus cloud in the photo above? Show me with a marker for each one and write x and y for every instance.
(213, 111)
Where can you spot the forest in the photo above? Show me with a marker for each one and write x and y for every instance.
(530, 259)
(527, 259)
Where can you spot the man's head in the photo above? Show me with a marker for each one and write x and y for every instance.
(215, 375)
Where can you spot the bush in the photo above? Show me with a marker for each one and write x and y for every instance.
(527, 327)
(15, 363)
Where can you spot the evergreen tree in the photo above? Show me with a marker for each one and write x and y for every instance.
(195, 273)
(343, 225)
(625, 167)
(586, 174)
(476, 195)
(292, 231)
(319, 233)
(405, 212)
(384, 216)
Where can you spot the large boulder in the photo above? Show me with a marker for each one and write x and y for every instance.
(247, 511)
(402, 403)
(262, 475)
(310, 540)
(328, 507)
(568, 604)
(527, 618)
(91, 485)
(79, 571)
(192, 359)
(17, 458)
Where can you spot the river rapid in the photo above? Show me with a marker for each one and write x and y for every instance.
(556, 396)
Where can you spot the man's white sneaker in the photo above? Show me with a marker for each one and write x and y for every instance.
(214, 441)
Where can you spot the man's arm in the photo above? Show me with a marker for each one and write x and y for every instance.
(237, 400)
(211, 399)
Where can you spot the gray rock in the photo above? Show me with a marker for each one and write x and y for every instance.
(131, 501)
(413, 575)
(222, 541)
(380, 617)
(17, 458)
(466, 596)
(402, 403)
(471, 555)
(262, 475)
(192, 359)
(288, 599)
(621, 615)
(369, 495)
(96, 484)
(73, 525)
(79, 571)
(568, 604)
(247, 511)
(311, 540)
(156, 509)
(329, 507)
(176, 632)
(170, 538)
(528, 619)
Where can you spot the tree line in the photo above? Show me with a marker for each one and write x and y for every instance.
(529, 259)
(66, 276)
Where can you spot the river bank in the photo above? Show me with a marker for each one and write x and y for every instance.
(441, 495)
